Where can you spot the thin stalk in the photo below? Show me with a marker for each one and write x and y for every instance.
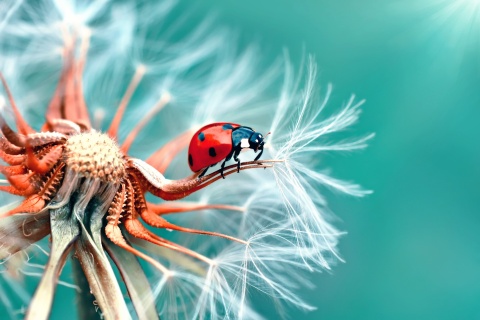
(85, 300)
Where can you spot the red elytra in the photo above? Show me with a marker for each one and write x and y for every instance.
(210, 145)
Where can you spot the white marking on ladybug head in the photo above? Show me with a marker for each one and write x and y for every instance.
(244, 143)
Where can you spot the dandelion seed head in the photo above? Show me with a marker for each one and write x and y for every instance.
(95, 155)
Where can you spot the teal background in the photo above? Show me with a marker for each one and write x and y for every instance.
(412, 250)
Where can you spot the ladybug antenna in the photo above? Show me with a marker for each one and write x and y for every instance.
(264, 137)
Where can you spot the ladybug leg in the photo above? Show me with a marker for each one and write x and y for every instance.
(223, 168)
(238, 163)
(259, 155)
(235, 157)
(203, 173)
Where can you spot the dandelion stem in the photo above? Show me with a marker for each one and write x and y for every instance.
(85, 300)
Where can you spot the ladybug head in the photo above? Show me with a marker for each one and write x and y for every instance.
(256, 141)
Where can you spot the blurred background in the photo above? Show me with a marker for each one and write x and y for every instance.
(413, 247)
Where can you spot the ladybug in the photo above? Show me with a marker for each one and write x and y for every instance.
(221, 141)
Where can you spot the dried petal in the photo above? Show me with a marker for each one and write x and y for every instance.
(100, 276)
(64, 233)
(17, 232)
(134, 277)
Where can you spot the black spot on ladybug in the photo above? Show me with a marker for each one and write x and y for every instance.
(227, 126)
(212, 152)
(201, 136)
(190, 160)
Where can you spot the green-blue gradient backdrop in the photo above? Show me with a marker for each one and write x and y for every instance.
(413, 247)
